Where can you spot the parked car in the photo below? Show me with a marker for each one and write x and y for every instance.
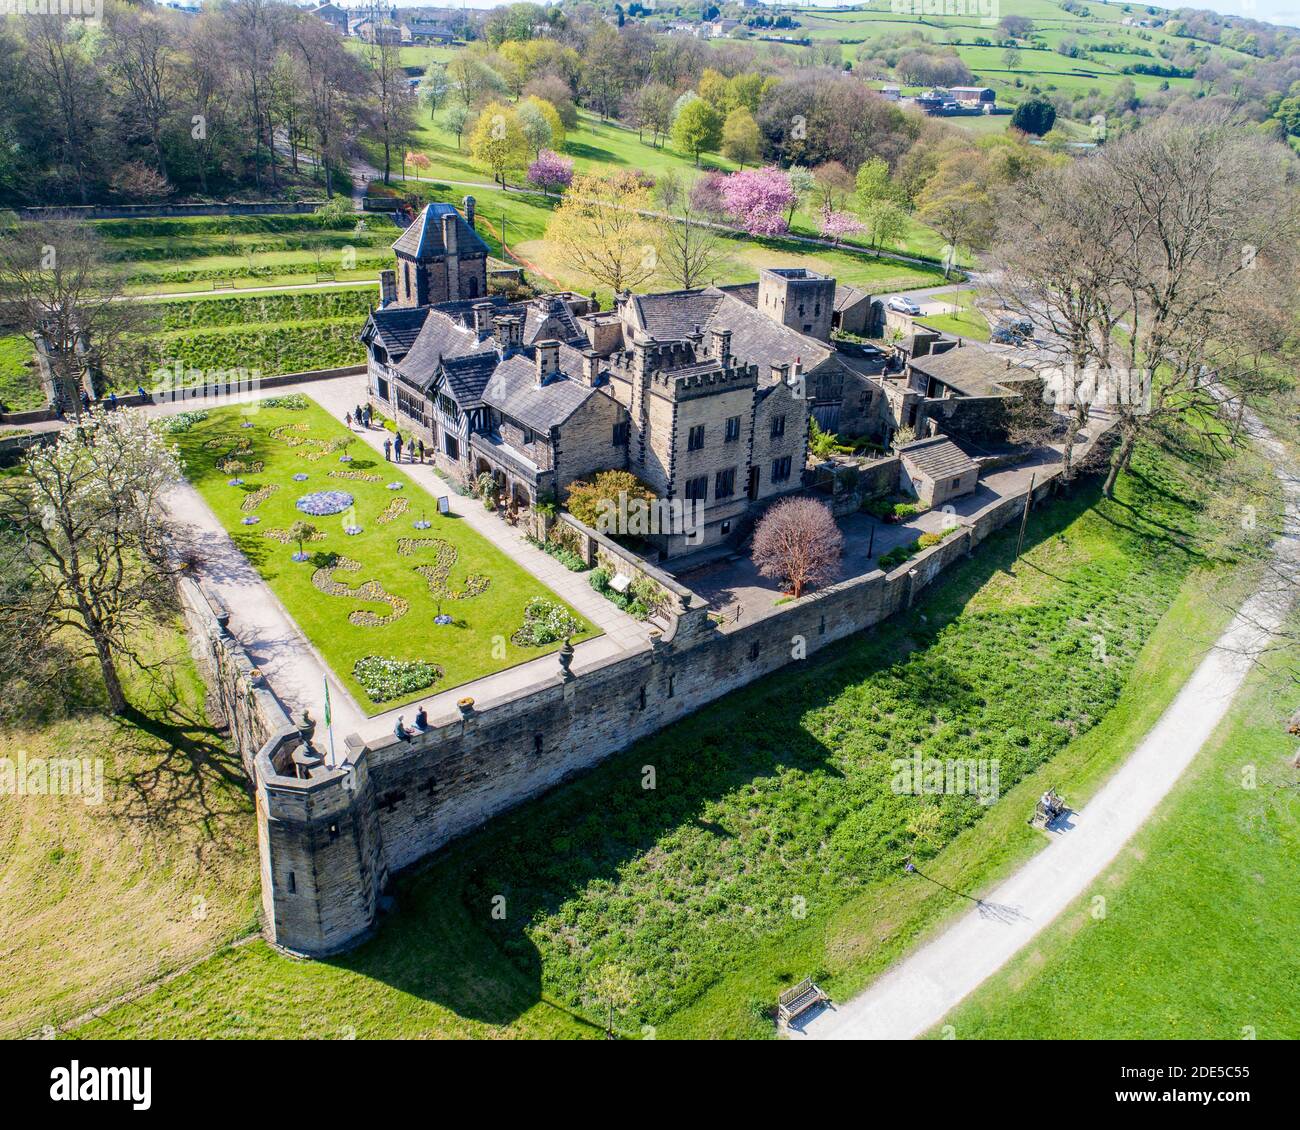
(903, 305)
(1012, 331)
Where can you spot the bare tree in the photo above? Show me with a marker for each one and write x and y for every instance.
(141, 46)
(692, 252)
(1208, 284)
(797, 543)
(56, 285)
(88, 516)
(394, 107)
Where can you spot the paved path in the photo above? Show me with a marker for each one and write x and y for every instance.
(295, 670)
(919, 992)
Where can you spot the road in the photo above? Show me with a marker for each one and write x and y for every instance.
(919, 992)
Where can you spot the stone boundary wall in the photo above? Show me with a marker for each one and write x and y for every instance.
(329, 844)
(137, 211)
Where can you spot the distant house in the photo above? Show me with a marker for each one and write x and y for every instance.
(973, 95)
(382, 31)
(333, 15)
(716, 29)
(936, 470)
(891, 93)
(428, 31)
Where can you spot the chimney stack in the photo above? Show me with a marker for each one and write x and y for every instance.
(722, 346)
(590, 367)
(509, 332)
(484, 316)
(453, 254)
(546, 354)
(469, 203)
(781, 372)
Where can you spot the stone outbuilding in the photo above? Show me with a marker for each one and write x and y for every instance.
(936, 470)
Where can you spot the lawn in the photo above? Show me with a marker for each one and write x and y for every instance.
(772, 846)
(20, 385)
(1197, 941)
(965, 321)
(98, 899)
(374, 593)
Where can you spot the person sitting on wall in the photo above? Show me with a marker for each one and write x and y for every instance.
(421, 719)
(400, 730)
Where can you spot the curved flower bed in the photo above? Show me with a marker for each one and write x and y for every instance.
(545, 622)
(324, 502)
(437, 574)
(384, 678)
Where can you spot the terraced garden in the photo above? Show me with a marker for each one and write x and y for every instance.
(772, 846)
(400, 601)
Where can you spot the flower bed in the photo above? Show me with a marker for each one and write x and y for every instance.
(545, 622)
(324, 502)
(384, 678)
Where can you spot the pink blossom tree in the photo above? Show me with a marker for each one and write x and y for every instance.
(758, 199)
(836, 225)
(551, 172)
(798, 544)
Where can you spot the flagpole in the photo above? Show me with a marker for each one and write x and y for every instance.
(329, 720)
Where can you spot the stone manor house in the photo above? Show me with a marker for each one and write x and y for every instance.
(703, 394)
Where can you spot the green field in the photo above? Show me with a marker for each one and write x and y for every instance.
(772, 846)
(454, 571)
(1200, 914)
(967, 321)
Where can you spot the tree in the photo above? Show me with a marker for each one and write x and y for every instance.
(550, 172)
(535, 107)
(497, 141)
(957, 203)
(886, 223)
(1011, 58)
(1035, 115)
(302, 532)
(698, 129)
(59, 287)
(613, 990)
(759, 199)
(535, 127)
(836, 225)
(873, 183)
(588, 502)
(393, 109)
(601, 232)
(456, 118)
(797, 543)
(802, 182)
(89, 514)
(692, 252)
(434, 87)
(740, 137)
(472, 79)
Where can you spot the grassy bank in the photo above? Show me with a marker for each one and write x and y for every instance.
(1195, 937)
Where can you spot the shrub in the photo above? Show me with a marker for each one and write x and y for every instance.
(589, 501)
(294, 401)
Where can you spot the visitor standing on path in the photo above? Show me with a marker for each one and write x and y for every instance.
(397, 446)
(347, 420)
(388, 450)
(421, 450)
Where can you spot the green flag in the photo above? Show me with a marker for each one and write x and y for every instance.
(328, 720)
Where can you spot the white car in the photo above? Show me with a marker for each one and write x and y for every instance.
(903, 305)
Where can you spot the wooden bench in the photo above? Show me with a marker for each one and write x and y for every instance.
(223, 284)
(798, 999)
(327, 276)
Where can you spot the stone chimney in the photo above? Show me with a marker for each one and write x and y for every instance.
(781, 372)
(484, 316)
(469, 203)
(798, 366)
(722, 347)
(590, 367)
(546, 354)
(387, 287)
(449, 244)
(509, 332)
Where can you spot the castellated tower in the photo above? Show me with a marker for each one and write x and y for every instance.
(798, 298)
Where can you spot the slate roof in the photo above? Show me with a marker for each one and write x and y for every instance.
(758, 340)
(972, 371)
(673, 316)
(847, 296)
(422, 238)
(937, 458)
(513, 391)
(443, 336)
(395, 328)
